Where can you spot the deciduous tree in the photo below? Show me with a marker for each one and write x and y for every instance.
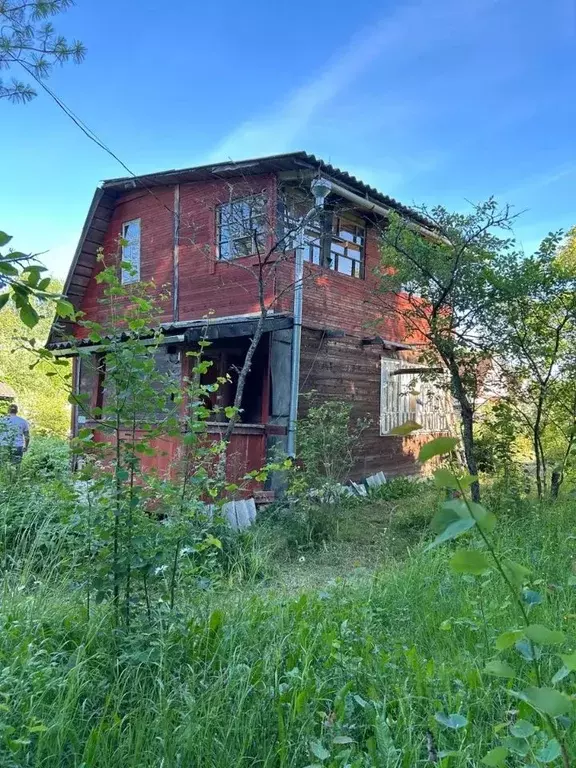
(443, 283)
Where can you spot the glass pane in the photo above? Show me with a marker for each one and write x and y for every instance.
(224, 251)
(242, 246)
(346, 235)
(345, 265)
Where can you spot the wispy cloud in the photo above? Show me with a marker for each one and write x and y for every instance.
(402, 36)
(538, 182)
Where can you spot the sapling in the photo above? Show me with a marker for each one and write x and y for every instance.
(455, 518)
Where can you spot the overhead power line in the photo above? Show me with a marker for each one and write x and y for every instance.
(87, 131)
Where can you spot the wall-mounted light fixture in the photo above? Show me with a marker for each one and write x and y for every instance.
(173, 355)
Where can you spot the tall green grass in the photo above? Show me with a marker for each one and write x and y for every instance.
(345, 675)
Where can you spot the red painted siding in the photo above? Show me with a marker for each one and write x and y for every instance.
(206, 284)
(341, 302)
(220, 288)
(154, 211)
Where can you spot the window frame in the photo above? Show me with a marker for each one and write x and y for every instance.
(252, 234)
(432, 421)
(358, 264)
(126, 278)
(323, 233)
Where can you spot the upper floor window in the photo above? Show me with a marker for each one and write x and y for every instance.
(407, 394)
(241, 226)
(347, 246)
(131, 251)
(330, 240)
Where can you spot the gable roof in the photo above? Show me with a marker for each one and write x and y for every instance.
(105, 196)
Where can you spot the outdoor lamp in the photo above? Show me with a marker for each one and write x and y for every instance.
(320, 189)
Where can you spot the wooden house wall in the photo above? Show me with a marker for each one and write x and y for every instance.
(205, 285)
(343, 369)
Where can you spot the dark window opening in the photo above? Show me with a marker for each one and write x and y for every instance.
(228, 360)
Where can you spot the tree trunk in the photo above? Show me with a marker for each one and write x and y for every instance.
(555, 481)
(468, 440)
(467, 415)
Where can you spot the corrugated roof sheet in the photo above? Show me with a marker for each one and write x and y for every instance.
(269, 164)
(6, 392)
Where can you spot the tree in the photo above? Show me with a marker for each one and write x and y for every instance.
(29, 42)
(41, 387)
(535, 333)
(443, 284)
(24, 280)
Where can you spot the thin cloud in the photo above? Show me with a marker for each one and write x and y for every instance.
(536, 183)
(402, 36)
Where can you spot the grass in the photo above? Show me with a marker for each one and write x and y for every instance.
(342, 659)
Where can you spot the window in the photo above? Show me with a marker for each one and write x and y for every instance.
(332, 241)
(406, 395)
(131, 251)
(347, 247)
(241, 227)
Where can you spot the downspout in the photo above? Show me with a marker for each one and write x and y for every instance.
(320, 188)
(296, 343)
(176, 253)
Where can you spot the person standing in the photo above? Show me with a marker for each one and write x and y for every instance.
(14, 435)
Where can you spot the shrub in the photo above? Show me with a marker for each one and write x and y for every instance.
(397, 488)
(47, 457)
(329, 441)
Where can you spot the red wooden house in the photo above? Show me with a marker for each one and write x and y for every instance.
(201, 232)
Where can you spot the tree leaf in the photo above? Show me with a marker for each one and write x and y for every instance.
(499, 668)
(522, 729)
(64, 308)
(453, 721)
(540, 634)
(452, 531)
(560, 675)
(516, 573)
(440, 446)
(496, 758)
(4, 238)
(507, 639)
(467, 480)
(4, 299)
(469, 561)
(342, 740)
(550, 752)
(445, 479)
(569, 660)
(28, 315)
(405, 429)
(485, 519)
(319, 751)
(8, 269)
(547, 700)
(528, 650)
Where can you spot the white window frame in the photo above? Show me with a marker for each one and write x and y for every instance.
(131, 253)
(395, 408)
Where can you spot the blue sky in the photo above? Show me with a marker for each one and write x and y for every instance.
(435, 101)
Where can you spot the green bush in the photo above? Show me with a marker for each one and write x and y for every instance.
(47, 457)
(398, 488)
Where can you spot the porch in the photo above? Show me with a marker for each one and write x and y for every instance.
(261, 432)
